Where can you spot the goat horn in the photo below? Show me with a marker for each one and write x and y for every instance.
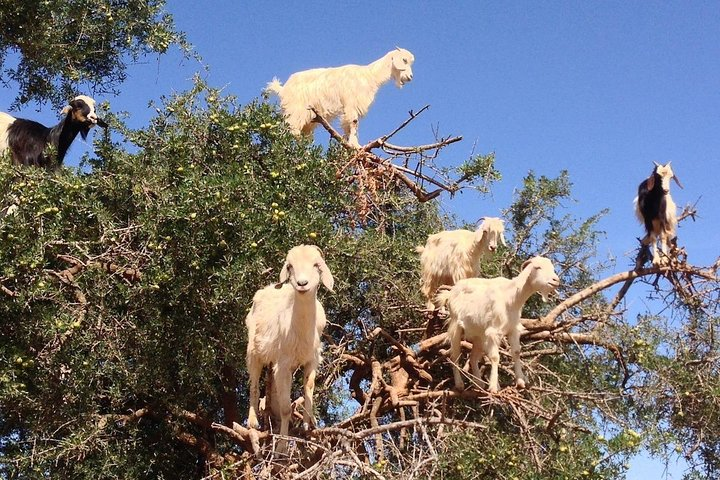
(656, 163)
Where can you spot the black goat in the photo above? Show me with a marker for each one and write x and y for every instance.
(28, 140)
(656, 209)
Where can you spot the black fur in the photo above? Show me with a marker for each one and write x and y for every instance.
(651, 202)
(28, 139)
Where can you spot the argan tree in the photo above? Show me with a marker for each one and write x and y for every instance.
(125, 285)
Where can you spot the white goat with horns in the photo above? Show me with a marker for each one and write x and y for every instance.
(483, 310)
(346, 92)
(453, 255)
(284, 327)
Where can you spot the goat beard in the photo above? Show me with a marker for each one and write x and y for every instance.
(85, 130)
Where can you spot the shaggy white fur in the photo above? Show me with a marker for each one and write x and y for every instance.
(452, 255)
(284, 327)
(483, 310)
(346, 92)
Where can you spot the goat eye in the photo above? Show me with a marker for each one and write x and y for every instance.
(405, 61)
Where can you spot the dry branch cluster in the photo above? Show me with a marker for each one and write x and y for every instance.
(375, 175)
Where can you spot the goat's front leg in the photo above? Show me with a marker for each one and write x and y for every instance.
(350, 127)
(665, 246)
(282, 382)
(514, 340)
(310, 370)
(254, 370)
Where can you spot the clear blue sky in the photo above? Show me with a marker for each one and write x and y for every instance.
(601, 89)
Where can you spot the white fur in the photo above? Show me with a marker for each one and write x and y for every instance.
(5, 122)
(284, 327)
(453, 255)
(482, 310)
(346, 92)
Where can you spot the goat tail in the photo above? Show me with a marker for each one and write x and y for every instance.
(274, 87)
(419, 249)
(442, 296)
(454, 329)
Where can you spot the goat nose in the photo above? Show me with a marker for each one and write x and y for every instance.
(302, 283)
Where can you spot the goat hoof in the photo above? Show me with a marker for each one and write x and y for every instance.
(520, 384)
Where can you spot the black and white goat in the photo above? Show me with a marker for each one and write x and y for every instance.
(656, 209)
(27, 140)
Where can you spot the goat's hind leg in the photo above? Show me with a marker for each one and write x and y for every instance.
(492, 348)
(456, 335)
(476, 355)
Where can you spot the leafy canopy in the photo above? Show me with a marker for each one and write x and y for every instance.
(49, 47)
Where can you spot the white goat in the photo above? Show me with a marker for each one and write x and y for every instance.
(656, 209)
(346, 91)
(27, 140)
(482, 310)
(452, 255)
(284, 327)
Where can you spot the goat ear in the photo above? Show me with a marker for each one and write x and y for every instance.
(525, 264)
(326, 277)
(66, 109)
(651, 181)
(502, 239)
(284, 273)
(677, 181)
(319, 250)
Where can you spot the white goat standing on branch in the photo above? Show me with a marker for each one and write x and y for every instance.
(483, 310)
(346, 92)
(453, 255)
(284, 327)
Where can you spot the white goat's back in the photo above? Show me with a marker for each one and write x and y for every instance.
(472, 303)
(453, 255)
(444, 250)
(5, 121)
